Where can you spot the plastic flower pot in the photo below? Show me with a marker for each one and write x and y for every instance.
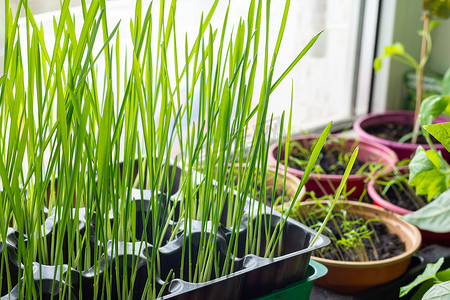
(301, 289)
(428, 237)
(378, 200)
(403, 150)
(324, 184)
(354, 277)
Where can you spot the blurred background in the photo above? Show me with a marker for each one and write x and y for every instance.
(335, 80)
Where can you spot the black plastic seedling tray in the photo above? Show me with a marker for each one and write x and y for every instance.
(254, 276)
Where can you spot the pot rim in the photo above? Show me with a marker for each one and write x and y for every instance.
(359, 128)
(393, 158)
(383, 213)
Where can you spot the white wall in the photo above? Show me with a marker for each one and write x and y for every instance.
(440, 55)
(36, 6)
(400, 22)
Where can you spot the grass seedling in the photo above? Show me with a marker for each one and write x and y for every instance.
(79, 132)
(346, 230)
(396, 185)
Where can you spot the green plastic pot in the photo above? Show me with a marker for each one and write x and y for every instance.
(301, 289)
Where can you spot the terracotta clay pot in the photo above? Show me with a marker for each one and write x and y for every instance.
(403, 150)
(325, 184)
(354, 277)
(428, 237)
(292, 183)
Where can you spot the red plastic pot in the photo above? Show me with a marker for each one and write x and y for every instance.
(324, 184)
(403, 150)
(428, 237)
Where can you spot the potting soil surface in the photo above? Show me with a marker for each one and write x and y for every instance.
(403, 199)
(385, 245)
(394, 132)
(330, 163)
(269, 190)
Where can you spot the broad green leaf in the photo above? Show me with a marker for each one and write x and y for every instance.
(428, 176)
(420, 163)
(432, 107)
(429, 273)
(441, 132)
(438, 291)
(433, 157)
(423, 288)
(447, 97)
(443, 275)
(433, 24)
(437, 8)
(377, 63)
(434, 216)
(396, 48)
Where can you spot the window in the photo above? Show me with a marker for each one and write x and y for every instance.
(332, 82)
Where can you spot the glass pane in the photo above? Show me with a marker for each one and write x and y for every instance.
(322, 84)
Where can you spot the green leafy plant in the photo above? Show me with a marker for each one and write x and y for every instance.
(431, 284)
(428, 169)
(429, 174)
(431, 9)
(79, 131)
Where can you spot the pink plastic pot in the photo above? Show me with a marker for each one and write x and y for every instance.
(403, 150)
(378, 200)
(324, 184)
(428, 237)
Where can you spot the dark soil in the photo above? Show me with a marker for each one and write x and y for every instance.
(278, 194)
(405, 198)
(330, 163)
(387, 245)
(269, 191)
(394, 132)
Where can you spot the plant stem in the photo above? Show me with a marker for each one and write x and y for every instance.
(419, 77)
